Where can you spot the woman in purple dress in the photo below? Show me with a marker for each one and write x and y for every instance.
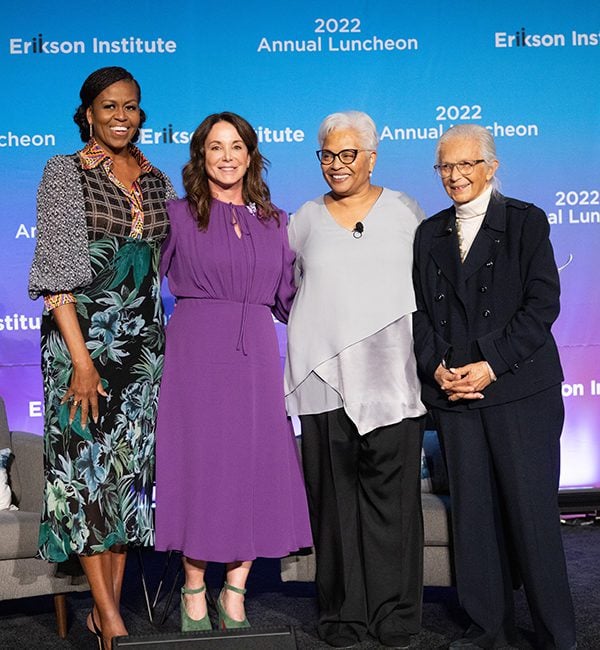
(228, 480)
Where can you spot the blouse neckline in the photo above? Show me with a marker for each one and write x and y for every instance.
(330, 216)
(235, 205)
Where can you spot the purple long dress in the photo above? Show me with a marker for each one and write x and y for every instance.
(228, 479)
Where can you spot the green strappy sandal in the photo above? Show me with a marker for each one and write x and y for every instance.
(225, 621)
(189, 624)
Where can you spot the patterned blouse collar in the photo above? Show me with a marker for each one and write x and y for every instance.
(93, 155)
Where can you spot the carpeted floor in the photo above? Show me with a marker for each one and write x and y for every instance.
(30, 623)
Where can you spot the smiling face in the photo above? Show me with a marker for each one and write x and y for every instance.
(460, 188)
(115, 116)
(226, 158)
(352, 178)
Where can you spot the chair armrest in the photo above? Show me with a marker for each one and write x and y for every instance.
(27, 470)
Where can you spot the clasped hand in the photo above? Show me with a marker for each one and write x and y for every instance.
(466, 382)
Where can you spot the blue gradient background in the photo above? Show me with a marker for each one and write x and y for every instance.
(217, 67)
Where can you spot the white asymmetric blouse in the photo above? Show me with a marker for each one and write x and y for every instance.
(349, 333)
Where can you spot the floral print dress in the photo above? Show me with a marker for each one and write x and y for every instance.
(99, 477)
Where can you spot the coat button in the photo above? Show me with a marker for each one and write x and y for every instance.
(516, 366)
(489, 264)
(439, 271)
(483, 289)
(443, 323)
(439, 297)
(486, 313)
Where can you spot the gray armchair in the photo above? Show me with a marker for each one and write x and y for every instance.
(21, 574)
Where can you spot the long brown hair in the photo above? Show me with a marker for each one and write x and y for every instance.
(195, 179)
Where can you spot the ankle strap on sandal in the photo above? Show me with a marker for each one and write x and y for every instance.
(238, 590)
(185, 590)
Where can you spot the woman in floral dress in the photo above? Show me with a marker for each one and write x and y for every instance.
(101, 221)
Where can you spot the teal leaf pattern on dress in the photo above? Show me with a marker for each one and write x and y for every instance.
(133, 256)
(99, 476)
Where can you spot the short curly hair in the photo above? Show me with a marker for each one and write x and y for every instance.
(361, 123)
(98, 81)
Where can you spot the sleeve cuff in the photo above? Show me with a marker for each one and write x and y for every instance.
(52, 301)
(491, 371)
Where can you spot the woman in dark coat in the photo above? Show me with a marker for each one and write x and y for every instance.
(487, 295)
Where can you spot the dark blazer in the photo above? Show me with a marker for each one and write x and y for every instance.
(497, 306)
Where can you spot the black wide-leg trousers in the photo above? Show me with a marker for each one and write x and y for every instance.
(503, 466)
(364, 495)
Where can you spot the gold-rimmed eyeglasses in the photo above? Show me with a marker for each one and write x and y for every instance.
(465, 167)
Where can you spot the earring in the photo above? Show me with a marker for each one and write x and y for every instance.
(91, 131)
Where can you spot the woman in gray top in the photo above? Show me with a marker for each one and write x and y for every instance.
(351, 377)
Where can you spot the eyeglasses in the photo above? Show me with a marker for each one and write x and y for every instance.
(345, 156)
(465, 167)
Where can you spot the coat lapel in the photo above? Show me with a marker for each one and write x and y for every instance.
(489, 239)
(444, 249)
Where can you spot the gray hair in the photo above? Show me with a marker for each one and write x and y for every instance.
(484, 138)
(356, 121)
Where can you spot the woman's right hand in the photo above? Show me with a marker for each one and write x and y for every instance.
(444, 377)
(85, 386)
(85, 381)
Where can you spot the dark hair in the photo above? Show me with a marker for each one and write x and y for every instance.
(98, 81)
(195, 179)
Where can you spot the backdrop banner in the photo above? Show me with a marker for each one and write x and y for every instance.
(528, 71)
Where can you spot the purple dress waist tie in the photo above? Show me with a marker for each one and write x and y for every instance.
(240, 217)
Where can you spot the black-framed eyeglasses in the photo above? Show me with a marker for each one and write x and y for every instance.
(345, 156)
(465, 167)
